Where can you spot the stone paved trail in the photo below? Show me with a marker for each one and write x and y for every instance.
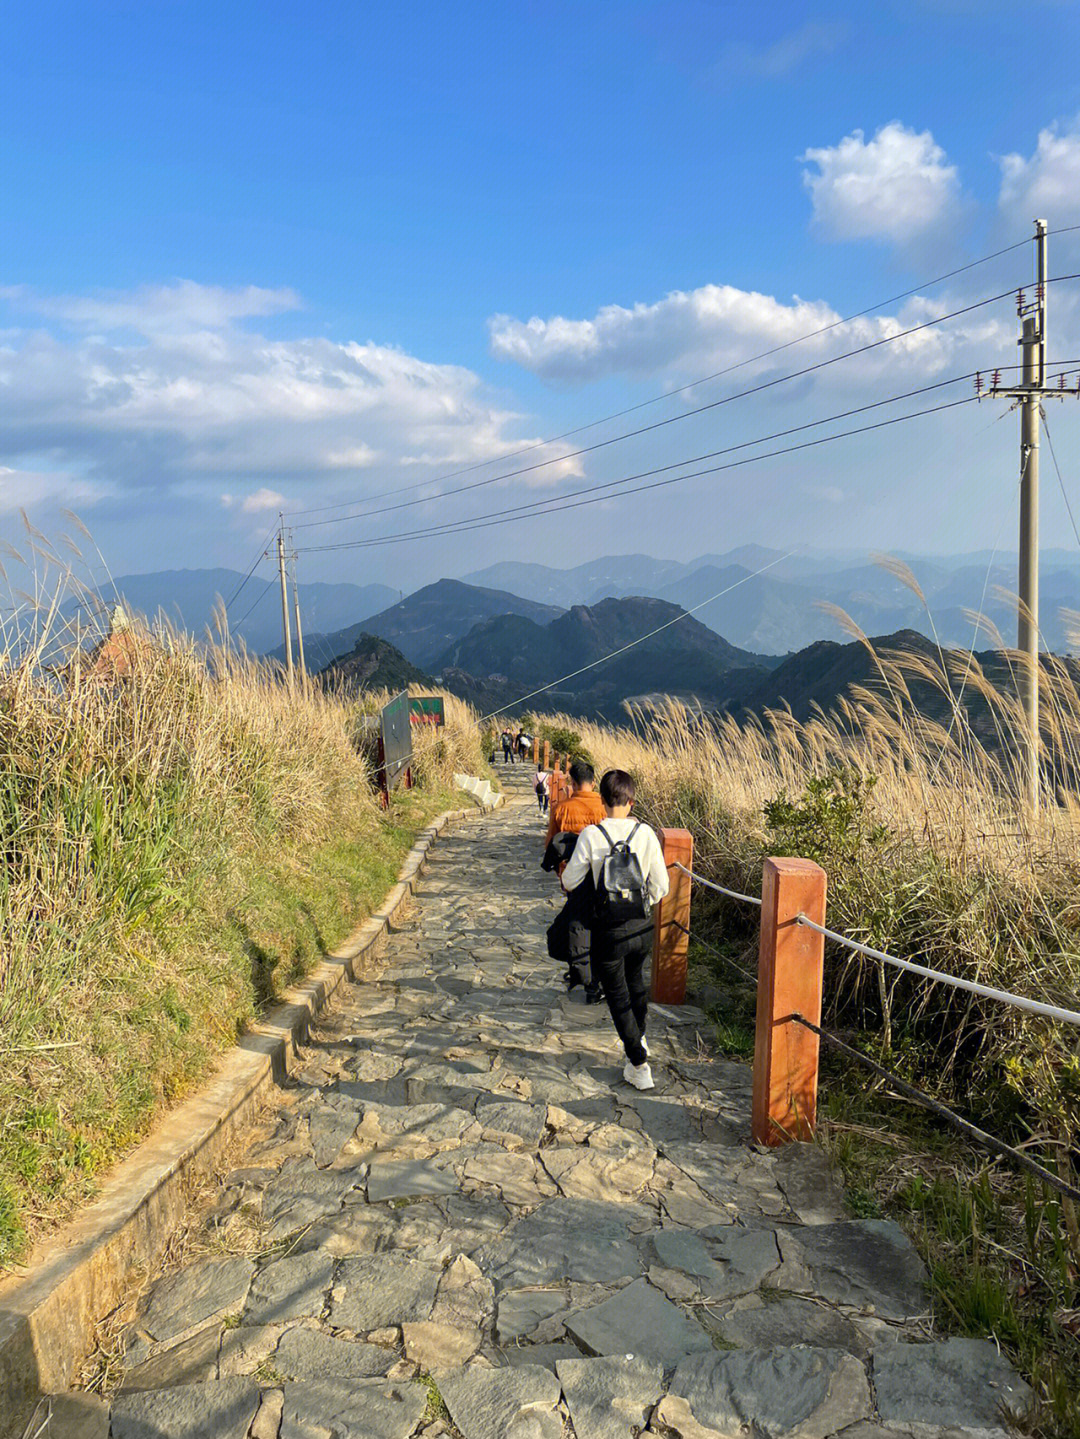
(459, 1219)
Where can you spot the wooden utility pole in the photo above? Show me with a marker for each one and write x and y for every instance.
(1028, 395)
(284, 600)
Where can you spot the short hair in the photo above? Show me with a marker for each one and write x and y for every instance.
(581, 772)
(616, 788)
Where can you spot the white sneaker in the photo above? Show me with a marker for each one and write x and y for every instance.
(639, 1075)
(644, 1045)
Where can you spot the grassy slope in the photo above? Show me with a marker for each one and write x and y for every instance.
(178, 849)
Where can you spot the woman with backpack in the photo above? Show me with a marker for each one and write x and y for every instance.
(627, 865)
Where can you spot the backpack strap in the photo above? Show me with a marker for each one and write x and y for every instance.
(610, 841)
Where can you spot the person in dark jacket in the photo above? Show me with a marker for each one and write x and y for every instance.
(569, 937)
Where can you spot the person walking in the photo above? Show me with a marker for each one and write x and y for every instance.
(626, 863)
(583, 806)
(507, 747)
(542, 786)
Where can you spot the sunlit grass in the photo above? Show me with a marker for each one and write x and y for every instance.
(179, 844)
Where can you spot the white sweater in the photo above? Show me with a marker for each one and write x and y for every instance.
(592, 849)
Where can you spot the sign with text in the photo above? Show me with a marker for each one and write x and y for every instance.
(427, 709)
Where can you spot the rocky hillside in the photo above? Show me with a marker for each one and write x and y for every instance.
(372, 664)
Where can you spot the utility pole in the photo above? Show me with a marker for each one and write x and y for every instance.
(299, 631)
(284, 600)
(1028, 396)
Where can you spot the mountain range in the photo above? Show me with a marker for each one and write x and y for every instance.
(775, 610)
(189, 599)
(508, 655)
(792, 602)
(423, 624)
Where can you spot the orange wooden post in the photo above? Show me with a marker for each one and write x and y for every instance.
(547, 754)
(536, 749)
(671, 919)
(790, 964)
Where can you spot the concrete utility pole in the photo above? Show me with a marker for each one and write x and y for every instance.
(284, 600)
(299, 631)
(1028, 395)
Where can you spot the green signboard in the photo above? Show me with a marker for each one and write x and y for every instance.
(427, 709)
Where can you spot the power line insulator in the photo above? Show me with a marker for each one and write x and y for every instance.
(978, 382)
(995, 380)
(1019, 302)
(1061, 380)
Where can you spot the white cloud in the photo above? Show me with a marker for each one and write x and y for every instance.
(702, 331)
(165, 391)
(1048, 184)
(897, 186)
(183, 305)
(23, 489)
(772, 62)
(261, 500)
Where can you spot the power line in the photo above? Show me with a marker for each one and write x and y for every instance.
(682, 615)
(261, 555)
(1057, 470)
(553, 504)
(671, 419)
(258, 601)
(681, 389)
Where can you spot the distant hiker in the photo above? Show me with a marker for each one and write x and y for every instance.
(525, 744)
(517, 745)
(584, 807)
(507, 747)
(624, 859)
(542, 786)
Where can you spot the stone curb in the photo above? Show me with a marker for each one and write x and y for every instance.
(82, 1274)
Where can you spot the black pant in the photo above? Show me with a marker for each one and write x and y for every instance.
(618, 962)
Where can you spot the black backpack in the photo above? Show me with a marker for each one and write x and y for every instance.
(620, 895)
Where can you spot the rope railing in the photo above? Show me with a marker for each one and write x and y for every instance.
(719, 888)
(986, 991)
(782, 1016)
(1018, 1001)
(942, 1111)
(779, 1096)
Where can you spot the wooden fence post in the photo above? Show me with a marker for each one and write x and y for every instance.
(536, 750)
(790, 964)
(671, 919)
(547, 754)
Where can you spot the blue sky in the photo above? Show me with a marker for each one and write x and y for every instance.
(251, 252)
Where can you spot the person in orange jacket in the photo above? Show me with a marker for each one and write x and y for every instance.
(584, 807)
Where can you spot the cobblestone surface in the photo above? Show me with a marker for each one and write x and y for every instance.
(460, 1220)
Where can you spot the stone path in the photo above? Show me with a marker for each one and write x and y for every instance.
(459, 1220)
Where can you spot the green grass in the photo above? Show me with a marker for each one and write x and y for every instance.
(176, 851)
(436, 1404)
(996, 1243)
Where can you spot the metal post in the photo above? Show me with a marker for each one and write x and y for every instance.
(285, 604)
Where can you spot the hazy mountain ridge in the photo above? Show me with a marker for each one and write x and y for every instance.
(506, 656)
(189, 599)
(782, 609)
(425, 623)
